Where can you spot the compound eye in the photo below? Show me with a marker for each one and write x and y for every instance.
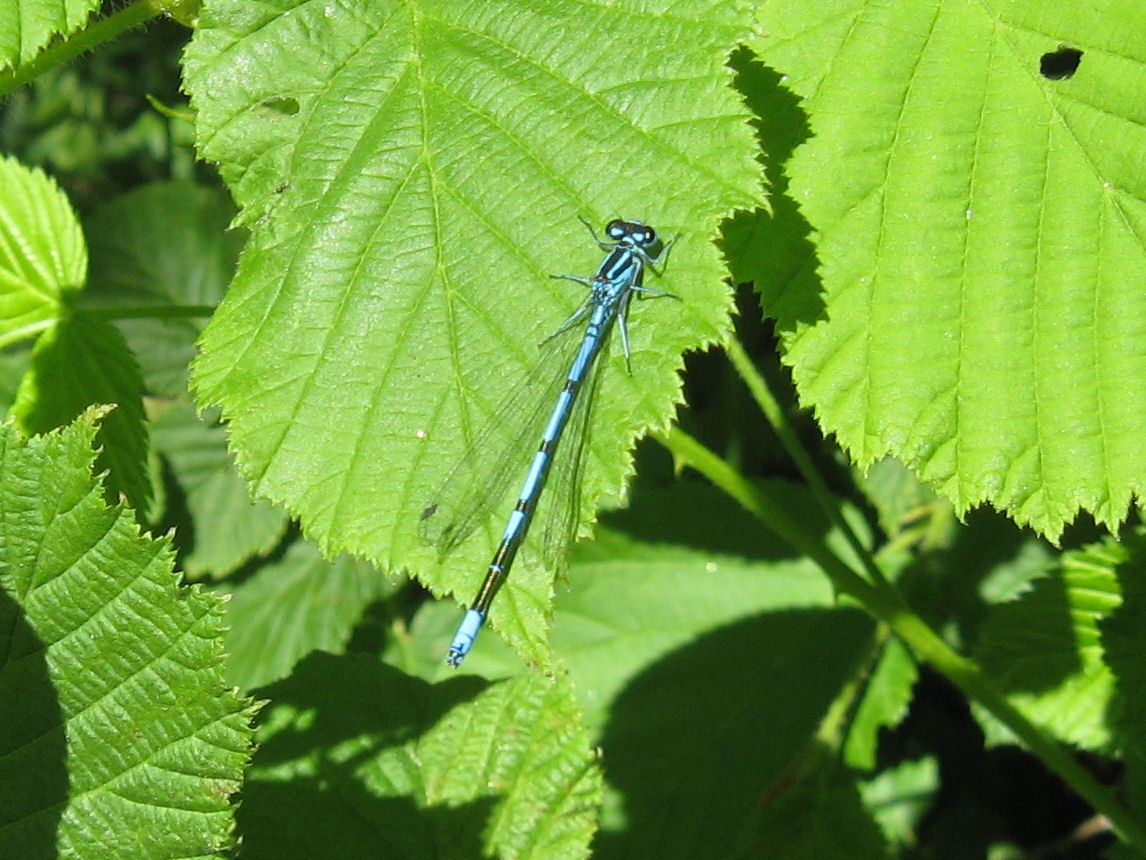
(648, 237)
(616, 229)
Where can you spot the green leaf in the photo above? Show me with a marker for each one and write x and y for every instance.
(82, 361)
(227, 528)
(79, 360)
(43, 260)
(163, 249)
(974, 307)
(357, 760)
(1045, 649)
(900, 796)
(118, 734)
(291, 607)
(26, 26)
(411, 176)
(886, 697)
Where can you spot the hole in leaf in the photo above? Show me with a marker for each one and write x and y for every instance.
(1061, 64)
(283, 105)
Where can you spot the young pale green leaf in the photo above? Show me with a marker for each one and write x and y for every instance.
(227, 528)
(1046, 650)
(293, 606)
(975, 304)
(118, 734)
(906, 508)
(83, 361)
(26, 26)
(356, 759)
(412, 174)
(43, 259)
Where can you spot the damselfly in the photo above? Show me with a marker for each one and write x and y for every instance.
(464, 502)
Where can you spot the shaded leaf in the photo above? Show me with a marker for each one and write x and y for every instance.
(694, 768)
(887, 692)
(1122, 639)
(227, 527)
(116, 724)
(899, 797)
(162, 247)
(356, 759)
(1045, 649)
(818, 819)
(291, 607)
(83, 361)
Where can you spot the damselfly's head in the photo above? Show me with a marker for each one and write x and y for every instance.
(631, 233)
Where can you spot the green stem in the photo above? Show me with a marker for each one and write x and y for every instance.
(807, 468)
(112, 313)
(103, 30)
(886, 604)
(772, 512)
(25, 332)
(149, 312)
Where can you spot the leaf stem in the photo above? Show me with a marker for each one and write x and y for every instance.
(24, 332)
(148, 312)
(769, 510)
(111, 313)
(783, 430)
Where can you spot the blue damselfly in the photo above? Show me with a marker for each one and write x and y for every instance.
(464, 502)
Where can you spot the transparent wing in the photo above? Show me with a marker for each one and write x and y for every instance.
(477, 486)
(560, 514)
